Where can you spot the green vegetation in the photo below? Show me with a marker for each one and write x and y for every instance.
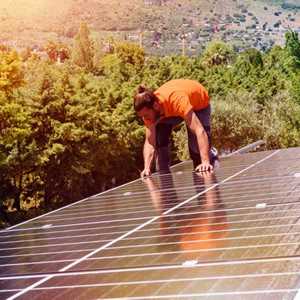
(68, 130)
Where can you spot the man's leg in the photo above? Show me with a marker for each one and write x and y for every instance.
(204, 117)
(163, 133)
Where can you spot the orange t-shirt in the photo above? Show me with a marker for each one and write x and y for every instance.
(179, 96)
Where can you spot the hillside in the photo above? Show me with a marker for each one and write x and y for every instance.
(31, 21)
(163, 22)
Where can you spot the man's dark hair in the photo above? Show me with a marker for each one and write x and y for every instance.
(144, 97)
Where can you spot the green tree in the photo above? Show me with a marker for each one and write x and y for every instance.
(11, 73)
(18, 149)
(281, 120)
(217, 53)
(292, 48)
(82, 52)
(125, 62)
(57, 51)
(247, 61)
(292, 45)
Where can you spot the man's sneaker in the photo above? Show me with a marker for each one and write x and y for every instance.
(214, 156)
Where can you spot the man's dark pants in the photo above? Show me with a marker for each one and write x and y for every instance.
(163, 133)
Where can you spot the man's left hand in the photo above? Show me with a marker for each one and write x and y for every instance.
(204, 167)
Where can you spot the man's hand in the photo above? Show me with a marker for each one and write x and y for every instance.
(145, 173)
(204, 167)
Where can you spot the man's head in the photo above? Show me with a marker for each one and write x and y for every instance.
(146, 104)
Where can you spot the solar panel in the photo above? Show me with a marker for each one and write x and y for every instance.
(233, 234)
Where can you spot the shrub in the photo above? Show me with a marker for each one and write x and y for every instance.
(281, 122)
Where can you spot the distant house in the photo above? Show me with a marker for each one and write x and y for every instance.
(153, 2)
(107, 48)
(133, 37)
(42, 54)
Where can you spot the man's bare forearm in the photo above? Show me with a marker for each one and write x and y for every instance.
(148, 152)
(203, 145)
(202, 140)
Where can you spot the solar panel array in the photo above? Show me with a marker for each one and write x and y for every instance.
(233, 234)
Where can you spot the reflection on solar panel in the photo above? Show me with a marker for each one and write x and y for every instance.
(234, 234)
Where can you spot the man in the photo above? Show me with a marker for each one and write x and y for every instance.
(161, 110)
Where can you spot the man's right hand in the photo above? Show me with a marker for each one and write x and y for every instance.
(145, 173)
(204, 167)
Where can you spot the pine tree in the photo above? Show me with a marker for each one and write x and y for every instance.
(11, 73)
(292, 45)
(82, 53)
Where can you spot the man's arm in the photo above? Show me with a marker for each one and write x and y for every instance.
(195, 125)
(149, 150)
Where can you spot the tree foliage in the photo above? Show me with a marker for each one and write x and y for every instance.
(217, 53)
(292, 44)
(82, 52)
(57, 51)
(68, 130)
(11, 73)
